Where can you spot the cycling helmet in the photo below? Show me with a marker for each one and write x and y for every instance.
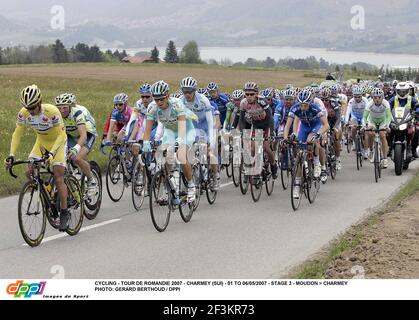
(290, 93)
(357, 91)
(305, 96)
(325, 93)
(251, 86)
(212, 86)
(238, 95)
(30, 96)
(120, 98)
(160, 88)
(268, 93)
(203, 91)
(65, 99)
(177, 94)
(334, 89)
(189, 83)
(145, 88)
(377, 92)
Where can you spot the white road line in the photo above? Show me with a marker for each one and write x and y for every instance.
(63, 235)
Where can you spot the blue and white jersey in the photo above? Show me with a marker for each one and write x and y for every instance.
(310, 118)
(200, 106)
(356, 110)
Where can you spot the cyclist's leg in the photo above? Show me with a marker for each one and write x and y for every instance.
(384, 144)
(35, 154)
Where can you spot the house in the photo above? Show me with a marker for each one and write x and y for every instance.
(138, 60)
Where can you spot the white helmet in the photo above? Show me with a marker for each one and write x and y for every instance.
(189, 83)
(65, 99)
(238, 94)
(160, 88)
(402, 89)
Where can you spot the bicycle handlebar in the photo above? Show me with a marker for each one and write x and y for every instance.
(19, 162)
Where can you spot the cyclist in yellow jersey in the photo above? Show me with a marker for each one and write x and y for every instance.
(81, 134)
(48, 124)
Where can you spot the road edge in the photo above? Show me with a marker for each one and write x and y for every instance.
(315, 266)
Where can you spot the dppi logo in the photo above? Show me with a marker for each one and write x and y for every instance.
(26, 290)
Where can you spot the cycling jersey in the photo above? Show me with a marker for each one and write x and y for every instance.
(333, 112)
(310, 118)
(281, 115)
(320, 103)
(231, 111)
(378, 115)
(356, 110)
(203, 110)
(256, 115)
(50, 133)
(120, 120)
(221, 102)
(169, 119)
(78, 116)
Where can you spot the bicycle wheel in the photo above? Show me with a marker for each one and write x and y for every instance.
(115, 183)
(209, 188)
(31, 214)
(229, 167)
(269, 184)
(294, 201)
(285, 172)
(75, 205)
(160, 201)
(313, 184)
(235, 172)
(186, 209)
(92, 202)
(244, 180)
(358, 154)
(197, 180)
(332, 162)
(139, 185)
(376, 163)
(256, 185)
(349, 143)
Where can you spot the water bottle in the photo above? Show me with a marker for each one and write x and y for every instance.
(48, 187)
(306, 167)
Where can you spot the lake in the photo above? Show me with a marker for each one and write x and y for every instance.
(240, 54)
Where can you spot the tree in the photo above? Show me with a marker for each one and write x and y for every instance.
(190, 53)
(81, 52)
(269, 63)
(155, 55)
(95, 54)
(171, 53)
(59, 52)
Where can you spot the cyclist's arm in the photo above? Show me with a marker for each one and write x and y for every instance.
(365, 118)
(59, 132)
(210, 123)
(182, 127)
(338, 118)
(83, 135)
(271, 122)
(110, 131)
(277, 116)
(348, 113)
(148, 128)
(389, 117)
(16, 138)
(106, 128)
(288, 127)
(325, 126)
(159, 131)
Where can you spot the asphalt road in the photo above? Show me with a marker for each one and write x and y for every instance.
(235, 238)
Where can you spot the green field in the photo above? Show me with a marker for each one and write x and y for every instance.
(95, 87)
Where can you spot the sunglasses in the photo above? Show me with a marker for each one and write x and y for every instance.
(145, 97)
(32, 109)
(188, 92)
(119, 104)
(289, 99)
(250, 94)
(159, 99)
(357, 97)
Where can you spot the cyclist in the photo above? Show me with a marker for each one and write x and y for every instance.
(233, 112)
(378, 115)
(313, 125)
(48, 124)
(254, 114)
(334, 118)
(179, 129)
(355, 113)
(118, 120)
(204, 124)
(282, 111)
(269, 96)
(81, 134)
(220, 99)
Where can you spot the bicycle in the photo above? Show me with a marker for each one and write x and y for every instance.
(168, 191)
(359, 147)
(348, 139)
(92, 202)
(331, 154)
(377, 152)
(207, 176)
(143, 172)
(256, 181)
(119, 170)
(304, 166)
(44, 205)
(285, 160)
